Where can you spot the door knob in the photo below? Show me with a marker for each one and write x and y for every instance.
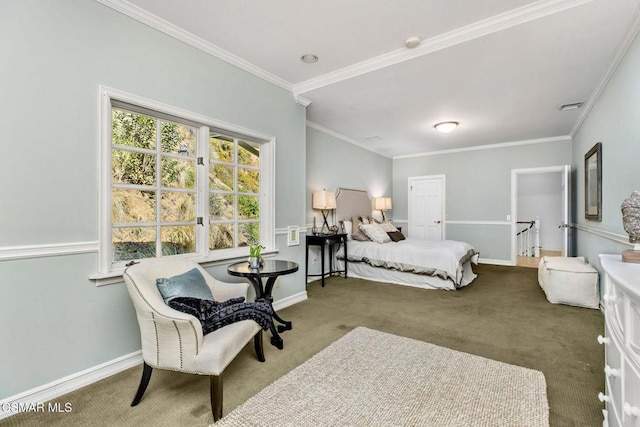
(437, 222)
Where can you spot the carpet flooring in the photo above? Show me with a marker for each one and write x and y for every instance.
(503, 315)
(370, 378)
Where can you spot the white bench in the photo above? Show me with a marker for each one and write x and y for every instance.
(569, 281)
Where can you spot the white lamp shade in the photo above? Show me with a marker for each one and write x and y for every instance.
(383, 203)
(324, 200)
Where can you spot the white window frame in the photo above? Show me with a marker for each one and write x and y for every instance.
(110, 98)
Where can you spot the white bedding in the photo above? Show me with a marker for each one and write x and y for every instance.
(447, 261)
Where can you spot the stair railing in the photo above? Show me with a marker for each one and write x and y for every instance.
(529, 238)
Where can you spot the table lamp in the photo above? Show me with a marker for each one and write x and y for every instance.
(383, 204)
(324, 201)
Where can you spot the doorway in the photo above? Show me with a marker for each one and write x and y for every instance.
(540, 214)
(427, 207)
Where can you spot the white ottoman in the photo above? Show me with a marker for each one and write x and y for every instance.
(569, 281)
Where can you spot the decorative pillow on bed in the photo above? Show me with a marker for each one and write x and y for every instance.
(375, 233)
(396, 236)
(356, 232)
(388, 227)
(347, 228)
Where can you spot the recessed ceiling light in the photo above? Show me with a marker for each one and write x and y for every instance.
(309, 58)
(573, 106)
(446, 127)
(411, 42)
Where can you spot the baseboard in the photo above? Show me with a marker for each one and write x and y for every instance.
(30, 399)
(290, 300)
(495, 261)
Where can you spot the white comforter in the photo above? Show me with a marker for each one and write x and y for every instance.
(441, 258)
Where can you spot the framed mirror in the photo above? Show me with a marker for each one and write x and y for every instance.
(593, 183)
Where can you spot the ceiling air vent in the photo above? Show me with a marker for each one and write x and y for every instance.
(573, 106)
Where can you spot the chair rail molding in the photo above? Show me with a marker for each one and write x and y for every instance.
(619, 238)
(8, 253)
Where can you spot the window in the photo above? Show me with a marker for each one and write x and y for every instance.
(174, 183)
(153, 187)
(234, 192)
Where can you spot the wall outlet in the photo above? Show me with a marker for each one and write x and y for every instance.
(508, 217)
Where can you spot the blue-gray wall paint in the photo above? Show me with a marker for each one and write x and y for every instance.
(478, 188)
(613, 120)
(333, 163)
(55, 321)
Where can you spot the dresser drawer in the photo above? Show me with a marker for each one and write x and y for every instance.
(614, 303)
(613, 374)
(633, 334)
(631, 404)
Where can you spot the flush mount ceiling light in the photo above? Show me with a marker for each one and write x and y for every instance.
(309, 58)
(445, 127)
(573, 106)
(411, 42)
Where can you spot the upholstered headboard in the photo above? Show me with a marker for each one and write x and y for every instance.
(350, 203)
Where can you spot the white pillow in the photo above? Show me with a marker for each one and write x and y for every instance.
(387, 226)
(347, 227)
(375, 233)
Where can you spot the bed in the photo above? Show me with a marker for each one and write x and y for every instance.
(443, 264)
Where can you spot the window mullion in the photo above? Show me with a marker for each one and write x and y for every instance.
(158, 188)
(236, 216)
(202, 187)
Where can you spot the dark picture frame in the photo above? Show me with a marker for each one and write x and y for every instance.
(593, 183)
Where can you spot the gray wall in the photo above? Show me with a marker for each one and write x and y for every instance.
(613, 120)
(54, 321)
(478, 189)
(333, 163)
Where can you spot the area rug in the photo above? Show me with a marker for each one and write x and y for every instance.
(372, 378)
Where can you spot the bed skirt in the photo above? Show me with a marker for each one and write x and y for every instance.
(362, 270)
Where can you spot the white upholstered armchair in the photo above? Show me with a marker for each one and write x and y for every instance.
(174, 340)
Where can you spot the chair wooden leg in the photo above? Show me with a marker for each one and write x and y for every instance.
(257, 344)
(216, 396)
(144, 382)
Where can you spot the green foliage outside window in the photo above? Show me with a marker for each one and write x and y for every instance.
(134, 162)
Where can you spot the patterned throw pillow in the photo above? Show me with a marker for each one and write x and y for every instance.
(375, 233)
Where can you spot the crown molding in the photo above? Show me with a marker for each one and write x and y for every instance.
(320, 128)
(302, 101)
(178, 33)
(620, 53)
(562, 138)
(344, 138)
(460, 35)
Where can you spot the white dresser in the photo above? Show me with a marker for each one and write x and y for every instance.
(622, 342)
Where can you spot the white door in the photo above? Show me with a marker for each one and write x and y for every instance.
(565, 226)
(426, 207)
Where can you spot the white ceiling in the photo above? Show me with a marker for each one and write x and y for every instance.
(502, 68)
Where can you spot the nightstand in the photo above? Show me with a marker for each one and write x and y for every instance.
(330, 240)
